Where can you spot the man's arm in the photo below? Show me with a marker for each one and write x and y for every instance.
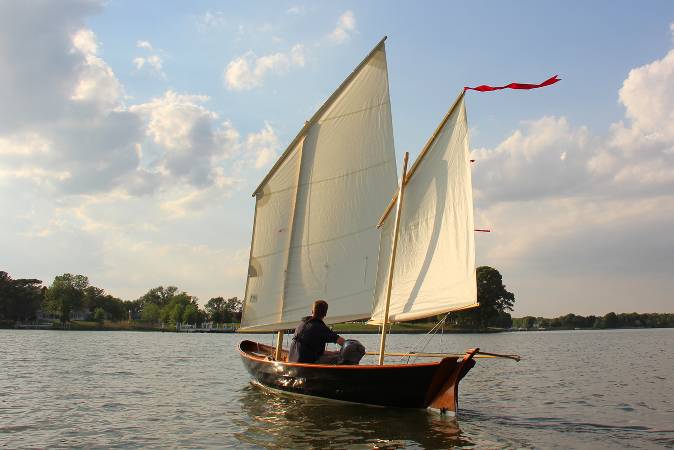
(331, 336)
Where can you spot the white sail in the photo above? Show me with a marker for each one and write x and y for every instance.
(271, 243)
(347, 175)
(435, 258)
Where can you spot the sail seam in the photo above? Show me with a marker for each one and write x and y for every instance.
(322, 109)
(325, 180)
(336, 238)
(354, 112)
(352, 294)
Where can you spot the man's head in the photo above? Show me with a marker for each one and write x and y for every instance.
(320, 309)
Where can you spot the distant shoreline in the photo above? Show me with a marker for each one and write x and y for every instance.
(344, 328)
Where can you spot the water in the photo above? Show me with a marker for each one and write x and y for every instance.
(579, 389)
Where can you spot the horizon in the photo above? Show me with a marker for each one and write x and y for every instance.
(132, 136)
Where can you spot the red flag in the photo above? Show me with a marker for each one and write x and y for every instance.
(485, 88)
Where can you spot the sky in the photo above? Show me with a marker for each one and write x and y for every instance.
(132, 135)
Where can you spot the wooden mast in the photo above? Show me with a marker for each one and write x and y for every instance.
(279, 345)
(279, 334)
(399, 203)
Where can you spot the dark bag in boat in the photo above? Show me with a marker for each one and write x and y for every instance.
(351, 353)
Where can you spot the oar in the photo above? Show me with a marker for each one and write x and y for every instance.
(479, 354)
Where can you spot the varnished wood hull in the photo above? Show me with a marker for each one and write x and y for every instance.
(433, 385)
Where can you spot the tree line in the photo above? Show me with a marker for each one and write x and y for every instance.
(495, 302)
(610, 320)
(21, 300)
(24, 299)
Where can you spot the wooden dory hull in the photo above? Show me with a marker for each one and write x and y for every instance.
(433, 385)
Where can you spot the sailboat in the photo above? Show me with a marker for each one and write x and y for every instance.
(333, 223)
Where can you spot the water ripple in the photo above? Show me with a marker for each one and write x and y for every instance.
(156, 390)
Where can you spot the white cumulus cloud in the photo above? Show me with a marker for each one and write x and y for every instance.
(346, 27)
(144, 45)
(152, 61)
(585, 213)
(248, 71)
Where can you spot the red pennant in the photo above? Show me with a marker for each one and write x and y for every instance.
(485, 88)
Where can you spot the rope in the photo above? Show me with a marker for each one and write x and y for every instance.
(428, 336)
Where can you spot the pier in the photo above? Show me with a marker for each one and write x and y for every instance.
(207, 327)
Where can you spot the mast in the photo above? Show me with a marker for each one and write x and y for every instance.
(399, 204)
(279, 334)
(279, 345)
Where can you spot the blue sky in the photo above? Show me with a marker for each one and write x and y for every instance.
(134, 133)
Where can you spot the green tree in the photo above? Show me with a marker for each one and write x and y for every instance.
(95, 298)
(19, 299)
(160, 296)
(494, 302)
(66, 294)
(234, 308)
(99, 315)
(150, 313)
(610, 320)
(176, 312)
(220, 310)
(191, 314)
(216, 309)
(115, 308)
(175, 309)
(134, 307)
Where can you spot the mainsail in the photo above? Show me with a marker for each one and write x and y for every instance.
(314, 233)
(435, 258)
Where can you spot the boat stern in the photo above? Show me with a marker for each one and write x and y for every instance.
(443, 392)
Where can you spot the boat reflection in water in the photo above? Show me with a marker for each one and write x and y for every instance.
(289, 421)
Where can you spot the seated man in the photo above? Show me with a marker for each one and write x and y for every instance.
(310, 338)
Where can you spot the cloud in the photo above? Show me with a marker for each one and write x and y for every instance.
(210, 20)
(346, 27)
(569, 206)
(248, 71)
(91, 141)
(262, 147)
(639, 153)
(70, 112)
(295, 10)
(192, 140)
(545, 158)
(144, 45)
(97, 83)
(37, 89)
(153, 62)
(194, 144)
(94, 185)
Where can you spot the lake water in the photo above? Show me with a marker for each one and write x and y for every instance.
(574, 389)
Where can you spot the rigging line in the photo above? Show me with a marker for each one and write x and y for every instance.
(442, 335)
(428, 336)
